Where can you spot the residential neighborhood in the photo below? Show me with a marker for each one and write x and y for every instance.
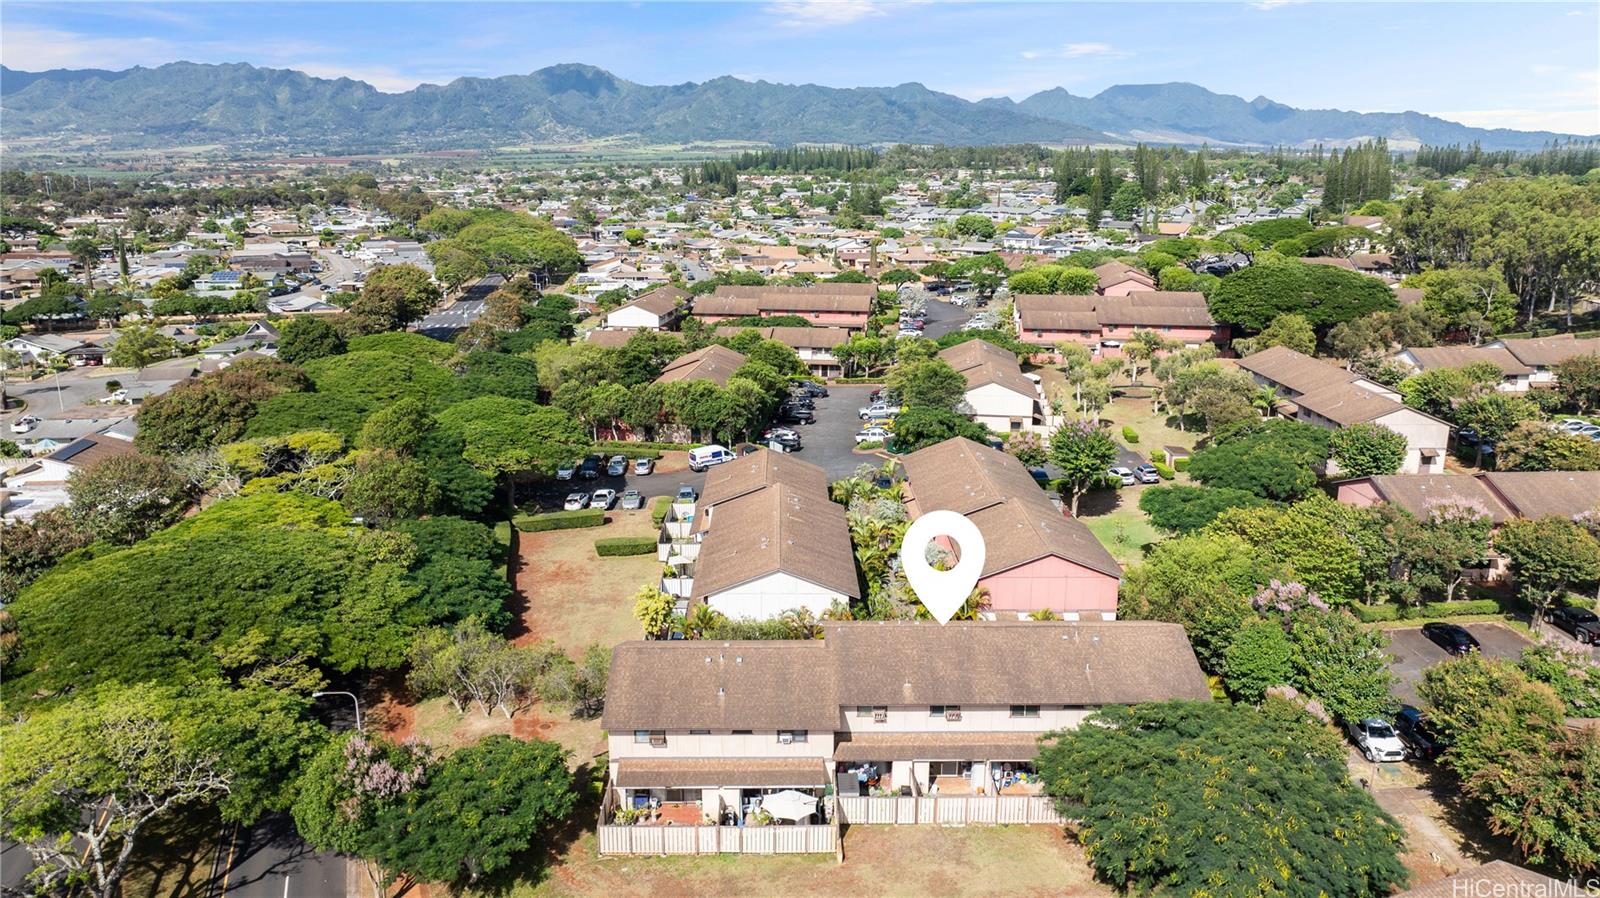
(464, 471)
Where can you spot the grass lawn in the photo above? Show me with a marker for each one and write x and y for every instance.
(968, 862)
(1156, 431)
(570, 595)
(1113, 516)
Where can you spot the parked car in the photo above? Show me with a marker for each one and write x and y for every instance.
(789, 414)
(878, 410)
(789, 440)
(117, 396)
(24, 424)
(618, 466)
(801, 402)
(1377, 740)
(566, 471)
(1453, 638)
(632, 500)
(1414, 732)
(590, 469)
(1467, 435)
(1147, 473)
(603, 499)
(576, 501)
(707, 456)
(1572, 425)
(686, 493)
(1123, 475)
(873, 433)
(1583, 624)
(771, 432)
(643, 466)
(812, 388)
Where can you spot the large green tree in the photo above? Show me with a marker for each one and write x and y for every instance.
(1083, 453)
(1324, 295)
(1222, 800)
(393, 297)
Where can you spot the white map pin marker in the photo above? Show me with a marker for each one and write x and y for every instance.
(942, 592)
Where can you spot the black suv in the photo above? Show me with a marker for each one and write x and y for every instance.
(1414, 732)
(811, 388)
(1583, 624)
(590, 468)
(791, 414)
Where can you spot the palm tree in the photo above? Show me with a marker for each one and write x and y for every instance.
(702, 620)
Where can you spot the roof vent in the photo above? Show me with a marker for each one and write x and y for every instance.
(738, 659)
(721, 691)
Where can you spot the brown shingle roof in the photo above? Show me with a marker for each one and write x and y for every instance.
(936, 746)
(1346, 404)
(1408, 296)
(778, 529)
(684, 773)
(1537, 494)
(1156, 308)
(1018, 521)
(714, 363)
(1116, 272)
(1547, 352)
(984, 363)
(758, 470)
(1334, 261)
(1431, 357)
(780, 300)
(1016, 662)
(660, 301)
(1294, 370)
(1496, 878)
(1057, 312)
(801, 337)
(750, 685)
(611, 338)
(1417, 493)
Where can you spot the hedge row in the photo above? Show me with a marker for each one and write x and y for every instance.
(1426, 611)
(625, 545)
(1158, 456)
(1165, 471)
(627, 447)
(659, 508)
(559, 520)
(1129, 434)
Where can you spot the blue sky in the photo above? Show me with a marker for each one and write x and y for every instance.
(1519, 65)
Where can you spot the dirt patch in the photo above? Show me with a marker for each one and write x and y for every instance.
(569, 595)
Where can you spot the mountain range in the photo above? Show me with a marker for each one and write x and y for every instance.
(184, 103)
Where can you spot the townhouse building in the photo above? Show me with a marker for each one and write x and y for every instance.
(998, 395)
(1104, 324)
(824, 305)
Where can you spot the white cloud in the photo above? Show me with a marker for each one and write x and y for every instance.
(38, 49)
(1568, 120)
(823, 13)
(384, 78)
(1274, 4)
(1078, 51)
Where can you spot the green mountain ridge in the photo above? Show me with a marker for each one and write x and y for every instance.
(186, 103)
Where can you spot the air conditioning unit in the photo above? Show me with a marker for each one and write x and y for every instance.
(786, 738)
(880, 715)
(952, 714)
(658, 740)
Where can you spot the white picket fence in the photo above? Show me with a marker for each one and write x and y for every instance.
(948, 810)
(659, 840)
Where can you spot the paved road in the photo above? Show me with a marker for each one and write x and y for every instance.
(445, 323)
(943, 318)
(1412, 653)
(694, 272)
(271, 861)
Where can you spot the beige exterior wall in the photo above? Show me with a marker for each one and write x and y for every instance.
(772, 595)
(1421, 433)
(760, 744)
(995, 407)
(974, 719)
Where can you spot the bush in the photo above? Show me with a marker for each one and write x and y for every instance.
(638, 450)
(1182, 464)
(856, 380)
(1129, 434)
(624, 545)
(869, 444)
(1165, 471)
(1435, 610)
(1372, 614)
(658, 509)
(1158, 456)
(559, 520)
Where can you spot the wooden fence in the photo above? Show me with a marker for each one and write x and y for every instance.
(951, 810)
(619, 839)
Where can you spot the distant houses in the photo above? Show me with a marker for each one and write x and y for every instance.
(1333, 398)
(1525, 363)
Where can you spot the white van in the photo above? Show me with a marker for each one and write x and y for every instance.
(706, 456)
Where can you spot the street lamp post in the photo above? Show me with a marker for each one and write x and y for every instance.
(353, 698)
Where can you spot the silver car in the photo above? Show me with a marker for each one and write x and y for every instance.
(632, 500)
(643, 466)
(618, 466)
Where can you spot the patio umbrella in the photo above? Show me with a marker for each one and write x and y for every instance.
(789, 805)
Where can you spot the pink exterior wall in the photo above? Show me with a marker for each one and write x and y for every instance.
(1186, 334)
(851, 320)
(1358, 493)
(1053, 583)
(1126, 287)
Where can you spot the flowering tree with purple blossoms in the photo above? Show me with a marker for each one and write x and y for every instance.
(348, 789)
(1321, 651)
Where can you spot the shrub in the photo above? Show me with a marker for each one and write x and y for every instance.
(658, 509)
(1129, 434)
(1165, 471)
(1158, 456)
(1372, 614)
(1435, 610)
(1182, 464)
(624, 545)
(641, 449)
(869, 444)
(559, 520)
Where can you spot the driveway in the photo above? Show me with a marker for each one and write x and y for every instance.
(943, 318)
(1412, 653)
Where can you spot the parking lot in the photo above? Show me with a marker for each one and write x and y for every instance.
(828, 443)
(1412, 653)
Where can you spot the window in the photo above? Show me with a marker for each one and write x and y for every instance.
(863, 710)
(1024, 710)
(699, 732)
(743, 732)
(788, 736)
(948, 712)
(650, 737)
